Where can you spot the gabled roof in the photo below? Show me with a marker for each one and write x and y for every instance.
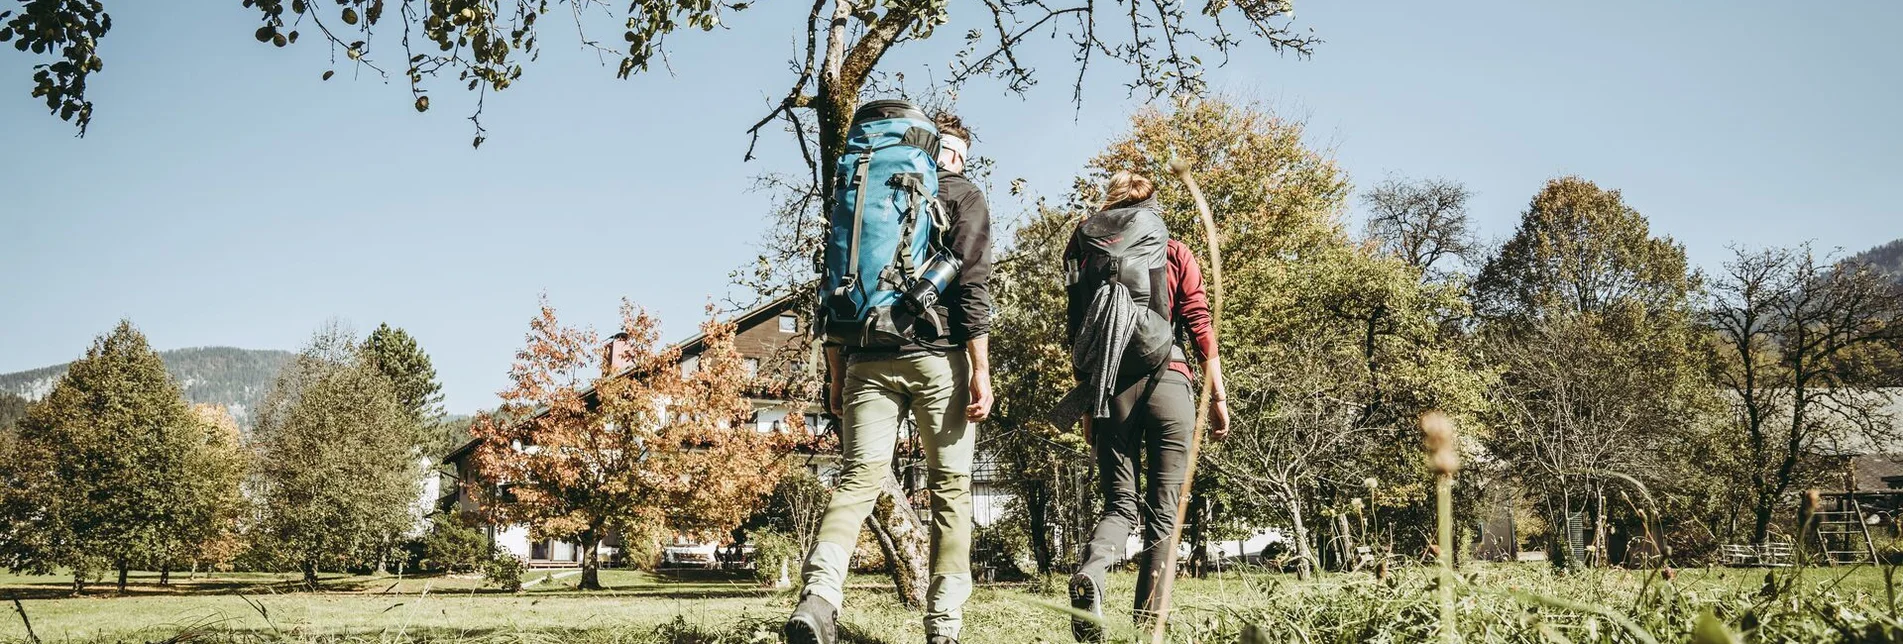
(688, 347)
(746, 320)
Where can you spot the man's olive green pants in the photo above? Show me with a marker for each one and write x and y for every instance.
(932, 387)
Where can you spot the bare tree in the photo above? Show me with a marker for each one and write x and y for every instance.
(1421, 221)
(1789, 324)
(1316, 416)
(484, 44)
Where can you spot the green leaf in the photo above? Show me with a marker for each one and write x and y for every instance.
(1711, 630)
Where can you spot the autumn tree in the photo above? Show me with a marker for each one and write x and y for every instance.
(590, 441)
(209, 500)
(1033, 371)
(336, 470)
(1590, 319)
(99, 465)
(1797, 334)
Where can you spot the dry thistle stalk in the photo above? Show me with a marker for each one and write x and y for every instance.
(1443, 457)
(1437, 436)
(1807, 510)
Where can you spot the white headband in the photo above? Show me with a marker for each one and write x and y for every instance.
(952, 144)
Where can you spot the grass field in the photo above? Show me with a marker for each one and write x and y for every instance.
(641, 607)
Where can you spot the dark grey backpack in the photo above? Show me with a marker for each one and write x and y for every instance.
(1128, 246)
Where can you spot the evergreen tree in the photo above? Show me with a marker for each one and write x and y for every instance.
(336, 466)
(395, 354)
(96, 467)
(12, 409)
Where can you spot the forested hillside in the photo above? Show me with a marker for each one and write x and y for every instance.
(1888, 257)
(235, 378)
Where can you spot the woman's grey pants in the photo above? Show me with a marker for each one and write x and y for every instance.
(1148, 431)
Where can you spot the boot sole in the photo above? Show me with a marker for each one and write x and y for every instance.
(802, 631)
(1085, 596)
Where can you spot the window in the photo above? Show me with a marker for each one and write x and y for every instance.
(789, 323)
(690, 365)
(753, 367)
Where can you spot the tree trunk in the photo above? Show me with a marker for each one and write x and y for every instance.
(1305, 557)
(905, 542)
(124, 568)
(310, 575)
(1603, 555)
(590, 560)
(1037, 506)
(165, 574)
(1198, 546)
(79, 582)
(1348, 560)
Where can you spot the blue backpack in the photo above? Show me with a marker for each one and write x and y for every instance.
(884, 264)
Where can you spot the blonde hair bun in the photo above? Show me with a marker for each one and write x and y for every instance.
(1126, 188)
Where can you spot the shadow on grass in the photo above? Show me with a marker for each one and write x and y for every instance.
(677, 631)
(63, 589)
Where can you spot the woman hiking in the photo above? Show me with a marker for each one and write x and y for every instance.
(1132, 293)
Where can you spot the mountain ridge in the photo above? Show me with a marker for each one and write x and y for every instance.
(230, 376)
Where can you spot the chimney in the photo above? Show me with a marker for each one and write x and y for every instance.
(617, 359)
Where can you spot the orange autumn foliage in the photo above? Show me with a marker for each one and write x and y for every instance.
(575, 452)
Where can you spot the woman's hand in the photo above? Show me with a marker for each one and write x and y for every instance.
(1219, 419)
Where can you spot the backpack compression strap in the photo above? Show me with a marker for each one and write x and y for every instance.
(851, 278)
(915, 184)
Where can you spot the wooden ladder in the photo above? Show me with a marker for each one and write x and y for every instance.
(1844, 537)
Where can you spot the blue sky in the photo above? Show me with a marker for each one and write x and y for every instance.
(227, 196)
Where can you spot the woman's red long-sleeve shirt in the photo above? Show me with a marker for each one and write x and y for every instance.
(1190, 304)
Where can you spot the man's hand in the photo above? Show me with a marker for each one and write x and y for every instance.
(836, 376)
(978, 356)
(981, 400)
(1219, 419)
(1087, 436)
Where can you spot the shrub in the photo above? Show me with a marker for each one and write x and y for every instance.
(641, 548)
(504, 570)
(794, 508)
(1002, 547)
(454, 544)
(771, 549)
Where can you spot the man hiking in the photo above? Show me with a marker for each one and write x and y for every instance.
(938, 376)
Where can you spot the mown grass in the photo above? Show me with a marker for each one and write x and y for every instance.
(1506, 603)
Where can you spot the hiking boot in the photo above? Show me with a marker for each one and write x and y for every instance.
(1086, 594)
(812, 622)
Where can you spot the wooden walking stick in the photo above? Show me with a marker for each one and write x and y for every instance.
(1181, 169)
